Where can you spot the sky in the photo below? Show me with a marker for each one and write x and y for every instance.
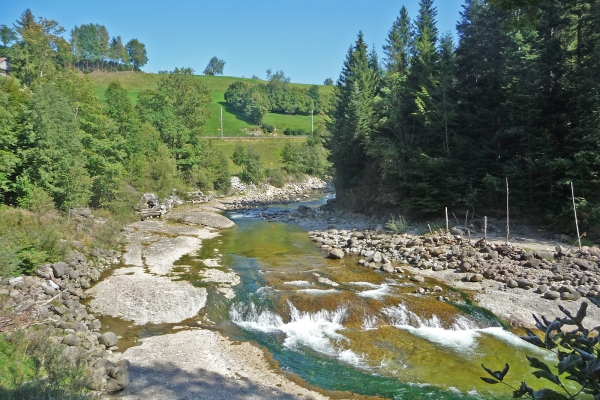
(306, 39)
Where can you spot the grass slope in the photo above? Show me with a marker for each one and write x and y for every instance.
(233, 121)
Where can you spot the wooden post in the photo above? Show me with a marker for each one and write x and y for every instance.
(467, 219)
(221, 123)
(469, 233)
(447, 230)
(575, 212)
(507, 220)
(485, 229)
(430, 231)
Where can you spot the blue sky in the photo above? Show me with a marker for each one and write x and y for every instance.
(306, 39)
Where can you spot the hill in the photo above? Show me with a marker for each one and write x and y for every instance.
(234, 122)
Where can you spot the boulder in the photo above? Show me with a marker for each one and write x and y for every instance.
(336, 254)
(512, 284)
(59, 269)
(387, 268)
(108, 339)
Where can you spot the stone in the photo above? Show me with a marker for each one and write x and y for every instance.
(512, 284)
(551, 295)
(417, 278)
(465, 266)
(527, 256)
(541, 289)
(377, 257)
(71, 340)
(59, 269)
(119, 377)
(336, 254)
(524, 283)
(533, 263)
(476, 278)
(108, 339)
(387, 268)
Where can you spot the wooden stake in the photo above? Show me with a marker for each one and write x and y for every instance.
(485, 229)
(507, 221)
(575, 212)
(467, 219)
(447, 230)
(469, 233)
(430, 231)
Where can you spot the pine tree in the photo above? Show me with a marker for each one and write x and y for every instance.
(398, 44)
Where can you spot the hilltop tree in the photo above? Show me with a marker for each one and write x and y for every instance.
(328, 82)
(215, 67)
(136, 51)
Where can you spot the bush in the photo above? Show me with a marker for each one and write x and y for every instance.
(268, 128)
(397, 224)
(276, 177)
(295, 132)
(577, 352)
(37, 369)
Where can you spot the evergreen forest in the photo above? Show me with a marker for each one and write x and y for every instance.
(443, 122)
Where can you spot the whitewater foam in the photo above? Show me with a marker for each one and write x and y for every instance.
(298, 283)
(317, 331)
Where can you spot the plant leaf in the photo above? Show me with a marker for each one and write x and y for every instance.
(548, 394)
(570, 361)
(504, 371)
(547, 375)
(489, 380)
(592, 367)
(536, 363)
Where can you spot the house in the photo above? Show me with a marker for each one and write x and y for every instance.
(4, 68)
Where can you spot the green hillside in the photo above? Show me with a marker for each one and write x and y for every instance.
(234, 123)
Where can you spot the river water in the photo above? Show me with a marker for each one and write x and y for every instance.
(346, 328)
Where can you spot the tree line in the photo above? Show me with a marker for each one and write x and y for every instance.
(442, 124)
(33, 41)
(276, 96)
(61, 145)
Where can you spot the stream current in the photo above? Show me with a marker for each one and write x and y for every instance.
(342, 327)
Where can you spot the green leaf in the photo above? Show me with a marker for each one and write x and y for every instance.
(547, 375)
(570, 361)
(523, 390)
(535, 363)
(489, 380)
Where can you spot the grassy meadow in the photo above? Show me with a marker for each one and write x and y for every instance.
(234, 123)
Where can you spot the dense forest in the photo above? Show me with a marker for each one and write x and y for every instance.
(438, 123)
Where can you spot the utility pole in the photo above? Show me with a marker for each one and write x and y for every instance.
(312, 122)
(222, 123)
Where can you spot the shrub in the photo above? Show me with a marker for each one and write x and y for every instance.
(577, 352)
(397, 224)
(268, 127)
(295, 132)
(276, 177)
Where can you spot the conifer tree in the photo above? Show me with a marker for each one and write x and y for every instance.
(398, 44)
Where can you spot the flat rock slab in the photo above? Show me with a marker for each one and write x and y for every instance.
(204, 218)
(201, 364)
(145, 298)
(160, 255)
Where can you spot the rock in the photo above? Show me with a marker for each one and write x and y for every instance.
(533, 263)
(108, 339)
(541, 289)
(476, 278)
(209, 219)
(71, 340)
(119, 377)
(377, 257)
(552, 295)
(417, 278)
(512, 284)
(465, 266)
(387, 268)
(524, 283)
(336, 254)
(567, 296)
(59, 269)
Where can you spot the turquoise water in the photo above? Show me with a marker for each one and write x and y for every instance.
(371, 334)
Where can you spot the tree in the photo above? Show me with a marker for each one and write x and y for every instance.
(328, 82)
(178, 109)
(398, 44)
(215, 67)
(136, 51)
(7, 35)
(53, 156)
(42, 41)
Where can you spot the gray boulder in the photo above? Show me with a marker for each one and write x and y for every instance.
(59, 269)
(336, 254)
(552, 295)
(108, 339)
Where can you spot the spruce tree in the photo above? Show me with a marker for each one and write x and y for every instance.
(398, 44)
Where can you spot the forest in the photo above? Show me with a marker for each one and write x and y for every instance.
(441, 123)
